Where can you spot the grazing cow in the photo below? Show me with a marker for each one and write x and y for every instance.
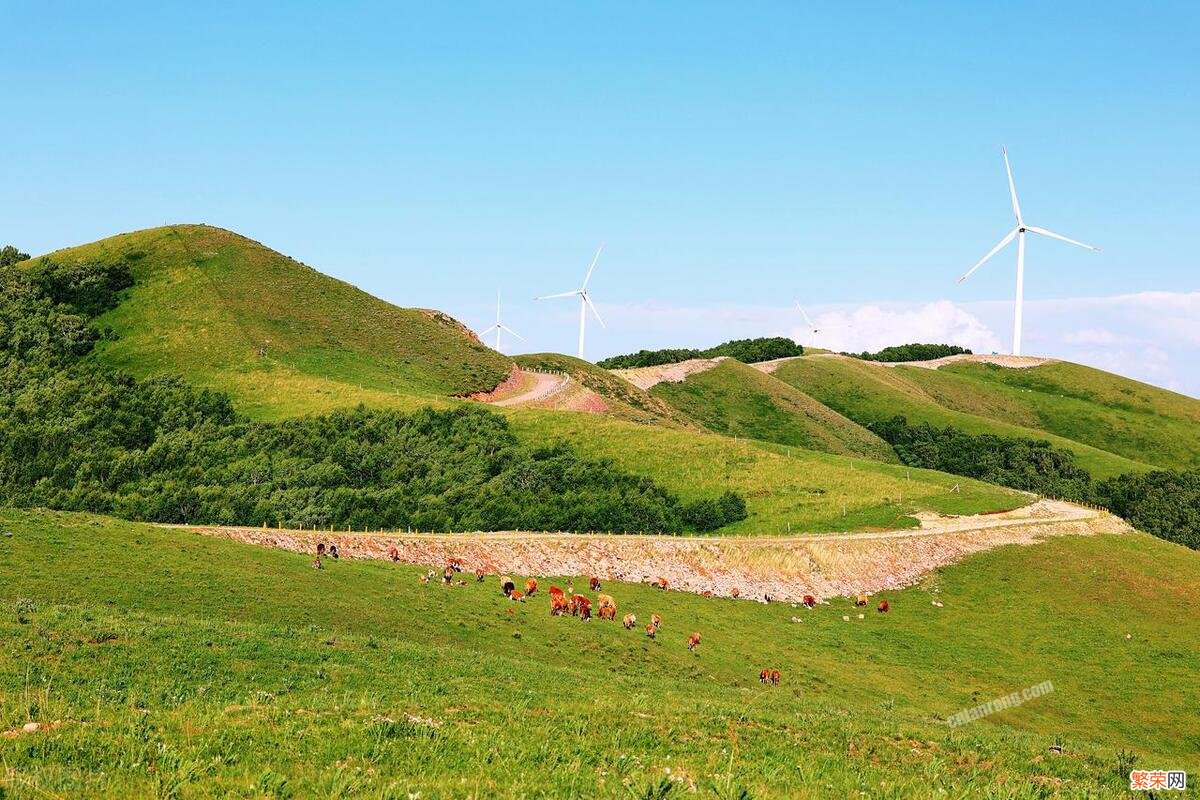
(764, 676)
(581, 607)
(661, 583)
(517, 597)
(809, 600)
(706, 593)
(393, 553)
(734, 592)
(629, 621)
(883, 606)
(651, 630)
(693, 641)
(655, 620)
(316, 562)
(479, 575)
(320, 548)
(333, 552)
(774, 677)
(607, 607)
(862, 599)
(507, 585)
(424, 578)
(530, 587)
(455, 564)
(594, 583)
(447, 576)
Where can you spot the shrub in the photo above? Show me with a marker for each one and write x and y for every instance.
(911, 352)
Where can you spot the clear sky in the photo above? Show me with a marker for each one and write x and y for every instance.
(733, 157)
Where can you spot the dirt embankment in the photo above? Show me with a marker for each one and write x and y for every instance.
(645, 377)
(781, 568)
(1012, 362)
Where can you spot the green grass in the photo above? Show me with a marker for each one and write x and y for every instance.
(185, 666)
(739, 400)
(782, 486)
(867, 391)
(225, 312)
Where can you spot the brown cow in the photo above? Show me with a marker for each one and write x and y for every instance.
(693, 641)
(558, 602)
(607, 607)
(530, 586)
(594, 583)
(706, 593)
(862, 599)
(774, 677)
(393, 553)
(883, 606)
(507, 585)
(581, 607)
(447, 576)
(651, 630)
(661, 583)
(455, 564)
(629, 621)
(764, 676)
(734, 592)
(809, 600)
(517, 596)
(479, 576)
(655, 620)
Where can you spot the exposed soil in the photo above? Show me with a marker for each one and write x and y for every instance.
(759, 567)
(645, 377)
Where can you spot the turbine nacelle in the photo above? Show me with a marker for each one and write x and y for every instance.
(585, 300)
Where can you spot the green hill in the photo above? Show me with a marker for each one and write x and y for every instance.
(738, 400)
(225, 312)
(978, 399)
(268, 678)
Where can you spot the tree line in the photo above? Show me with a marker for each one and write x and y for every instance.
(75, 435)
(1165, 503)
(748, 351)
(911, 352)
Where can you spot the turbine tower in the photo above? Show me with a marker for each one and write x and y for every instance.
(500, 326)
(585, 301)
(1019, 233)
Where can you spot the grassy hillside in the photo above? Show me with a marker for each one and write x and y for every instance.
(267, 678)
(738, 400)
(782, 486)
(867, 391)
(225, 312)
(624, 400)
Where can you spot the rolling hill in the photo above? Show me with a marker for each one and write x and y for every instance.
(226, 312)
(1149, 429)
(268, 678)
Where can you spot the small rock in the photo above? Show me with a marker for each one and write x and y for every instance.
(862, 616)
(30, 727)
(845, 618)
(1129, 636)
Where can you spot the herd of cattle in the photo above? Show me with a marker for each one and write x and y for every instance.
(577, 605)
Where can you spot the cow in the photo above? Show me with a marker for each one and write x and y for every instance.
(607, 607)
(594, 583)
(629, 621)
(424, 578)
(507, 585)
(651, 630)
(809, 600)
(320, 548)
(517, 597)
(735, 592)
(530, 586)
(774, 677)
(581, 607)
(661, 583)
(447, 576)
(884, 607)
(455, 564)
(655, 620)
(764, 676)
(393, 553)
(479, 575)
(693, 641)
(706, 593)
(316, 564)
(862, 599)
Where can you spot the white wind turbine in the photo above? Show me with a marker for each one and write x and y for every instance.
(585, 301)
(1019, 233)
(500, 326)
(813, 330)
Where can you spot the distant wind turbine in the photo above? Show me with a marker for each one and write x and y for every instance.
(500, 326)
(813, 330)
(585, 301)
(1019, 233)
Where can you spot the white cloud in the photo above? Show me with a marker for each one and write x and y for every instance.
(872, 327)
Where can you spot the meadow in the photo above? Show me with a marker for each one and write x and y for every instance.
(168, 664)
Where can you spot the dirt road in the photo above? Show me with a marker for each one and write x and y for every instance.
(782, 568)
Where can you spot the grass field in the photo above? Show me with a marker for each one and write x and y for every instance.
(225, 312)
(739, 400)
(867, 391)
(173, 665)
(782, 486)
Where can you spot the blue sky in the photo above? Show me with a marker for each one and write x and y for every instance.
(731, 156)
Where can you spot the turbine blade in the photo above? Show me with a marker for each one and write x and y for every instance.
(1003, 242)
(560, 294)
(1054, 235)
(486, 331)
(511, 332)
(1012, 187)
(592, 268)
(592, 306)
(804, 314)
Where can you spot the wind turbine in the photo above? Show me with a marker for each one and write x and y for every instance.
(813, 330)
(1019, 233)
(585, 301)
(500, 326)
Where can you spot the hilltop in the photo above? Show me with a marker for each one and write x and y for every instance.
(223, 311)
